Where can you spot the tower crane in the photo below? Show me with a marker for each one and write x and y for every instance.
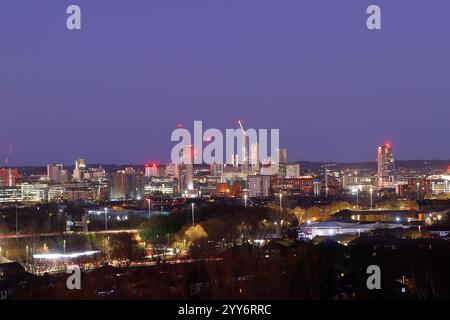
(7, 156)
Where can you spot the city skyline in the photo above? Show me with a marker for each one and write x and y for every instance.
(218, 158)
(70, 163)
(178, 62)
(260, 180)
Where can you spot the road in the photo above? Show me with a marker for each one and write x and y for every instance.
(54, 234)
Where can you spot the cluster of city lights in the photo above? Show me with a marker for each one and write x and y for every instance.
(59, 256)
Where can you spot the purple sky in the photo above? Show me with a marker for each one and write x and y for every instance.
(114, 91)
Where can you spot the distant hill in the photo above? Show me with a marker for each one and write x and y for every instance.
(372, 165)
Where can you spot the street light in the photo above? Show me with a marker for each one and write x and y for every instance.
(50, 222)
(193, 216)
(106, 219)
(281, 205)
(371, 198)
(418, 190)
(245, 200)
(149, 208)
(17, 222)
(59, 214)
(357, 189)
(357, 197)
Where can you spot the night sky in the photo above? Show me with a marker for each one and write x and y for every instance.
(114, 91)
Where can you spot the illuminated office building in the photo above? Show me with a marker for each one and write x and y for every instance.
(78, 172)
(172, 170)
(54, 173)
(317, 187)
(154, 170)
(254, 160)
(216, 169)
(282, 163)
(187, 174)
(293, 170)
(386, 167)
(245, 153)
(8, 177)
(126, 185)
(259, 186)
(10, 194)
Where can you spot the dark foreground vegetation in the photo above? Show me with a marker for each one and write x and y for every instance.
(410, 269)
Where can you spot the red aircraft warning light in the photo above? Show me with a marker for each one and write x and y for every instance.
(152, 165)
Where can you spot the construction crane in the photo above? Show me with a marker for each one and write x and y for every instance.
(242, 128)
(326, 175)
(7, 156)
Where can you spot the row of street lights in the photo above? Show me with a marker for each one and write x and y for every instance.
(193, 208)
(49, 219)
